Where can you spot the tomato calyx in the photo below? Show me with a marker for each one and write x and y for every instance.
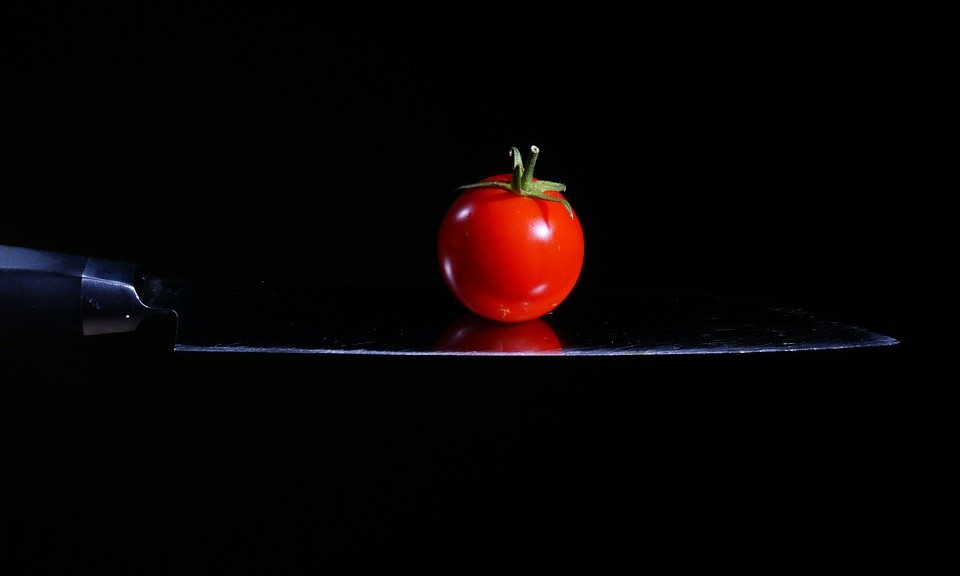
(522, 182)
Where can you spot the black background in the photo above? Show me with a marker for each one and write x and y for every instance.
(795, 154)
(784, 152)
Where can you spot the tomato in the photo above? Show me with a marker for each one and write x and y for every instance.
(473, 333)
(511, 247)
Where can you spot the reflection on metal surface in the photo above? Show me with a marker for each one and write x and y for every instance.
(46, 294)
(471, 333)
(304, 320)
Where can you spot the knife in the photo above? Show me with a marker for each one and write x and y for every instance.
(49, 295)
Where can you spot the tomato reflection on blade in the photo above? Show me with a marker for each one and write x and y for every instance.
(472, 333)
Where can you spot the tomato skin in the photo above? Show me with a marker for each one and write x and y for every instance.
(508, 257)
(473, 333)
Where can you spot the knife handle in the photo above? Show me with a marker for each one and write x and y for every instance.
(45, 294)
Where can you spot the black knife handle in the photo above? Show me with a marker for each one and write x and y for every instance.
(45, 294)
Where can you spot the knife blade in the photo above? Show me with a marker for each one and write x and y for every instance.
(48, 294)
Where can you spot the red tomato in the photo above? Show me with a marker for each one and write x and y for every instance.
(511, 247)
(472, 333)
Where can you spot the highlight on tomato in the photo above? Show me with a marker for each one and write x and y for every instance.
(511, 247)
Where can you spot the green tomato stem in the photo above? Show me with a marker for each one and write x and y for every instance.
(522, 181)
(527, 176)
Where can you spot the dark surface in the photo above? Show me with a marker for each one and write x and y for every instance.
(802, 462)
(798, 156)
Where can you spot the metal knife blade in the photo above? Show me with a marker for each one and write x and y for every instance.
(49, 294)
